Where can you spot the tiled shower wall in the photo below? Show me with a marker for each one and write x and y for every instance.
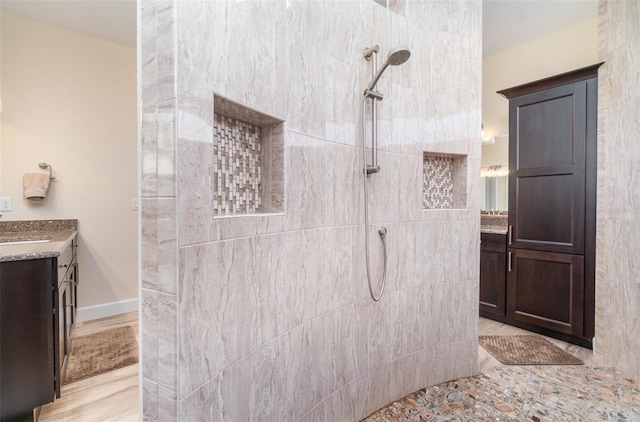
(618, 207)
(268, 317)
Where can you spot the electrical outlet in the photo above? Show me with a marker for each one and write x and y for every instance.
(5, 204)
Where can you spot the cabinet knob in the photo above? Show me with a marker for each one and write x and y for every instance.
(63, 266)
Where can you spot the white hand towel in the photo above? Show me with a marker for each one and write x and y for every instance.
(35, 186)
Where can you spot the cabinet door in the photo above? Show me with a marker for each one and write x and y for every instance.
(546, 289)
(492, 282)
(547, 144)
(26, 336)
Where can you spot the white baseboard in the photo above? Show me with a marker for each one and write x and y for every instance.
(105, 310)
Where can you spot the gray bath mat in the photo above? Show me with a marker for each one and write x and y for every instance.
(526, 350)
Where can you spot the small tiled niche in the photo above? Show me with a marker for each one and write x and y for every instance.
(444, 181)
(248, 165)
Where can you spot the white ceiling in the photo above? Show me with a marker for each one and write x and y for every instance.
(506, 23)
(110, 20)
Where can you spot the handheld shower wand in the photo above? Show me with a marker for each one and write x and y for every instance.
(396, 57)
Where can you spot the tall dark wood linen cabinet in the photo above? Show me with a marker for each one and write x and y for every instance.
(552, 205)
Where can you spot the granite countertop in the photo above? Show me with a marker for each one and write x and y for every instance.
(494, 224)
(59, 234)
(493, 229)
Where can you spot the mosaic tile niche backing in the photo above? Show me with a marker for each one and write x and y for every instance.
(444, 181)
(438, 182)
(237, 169)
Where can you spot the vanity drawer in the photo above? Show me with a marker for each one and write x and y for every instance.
(490, 242)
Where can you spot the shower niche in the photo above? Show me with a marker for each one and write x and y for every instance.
(248, 161)
(444, 181)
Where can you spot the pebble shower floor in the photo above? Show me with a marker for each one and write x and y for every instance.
(522, 393)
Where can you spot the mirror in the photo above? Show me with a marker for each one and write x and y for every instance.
(494, 193)
(494, 179)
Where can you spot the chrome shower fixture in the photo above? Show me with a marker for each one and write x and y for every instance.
(396, 57)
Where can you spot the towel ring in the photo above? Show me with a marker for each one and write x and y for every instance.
(45, 166)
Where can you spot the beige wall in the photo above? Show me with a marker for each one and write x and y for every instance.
(496, 154)
(618, 213)
(70, 100)
(562, 51)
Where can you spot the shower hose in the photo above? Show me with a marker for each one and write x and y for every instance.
(382, 231)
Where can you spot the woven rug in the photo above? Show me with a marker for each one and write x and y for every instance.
(101, 352)
(526, 350)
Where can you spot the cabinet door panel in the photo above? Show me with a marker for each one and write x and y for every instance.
(534, 196)
(492, 282)
(545, 131)
(547, 147)
(547, 289)
(26, 338)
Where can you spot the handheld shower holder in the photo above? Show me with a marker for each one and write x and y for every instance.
(377, 95)
(372, 169)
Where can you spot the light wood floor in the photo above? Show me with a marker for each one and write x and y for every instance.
(488, 327)
(107, 397)
(114, 396)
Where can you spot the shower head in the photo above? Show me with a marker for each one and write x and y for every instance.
(396, 57)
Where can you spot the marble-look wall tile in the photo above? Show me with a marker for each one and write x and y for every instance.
(255, 78)
(344, 196)
(306, 96)
(195, 204)
(243, 281)
(195, 178)
(258, 386)
(392, 194)
(195, 61)
(167, 404)
(343, 102)
(204, 404)
(149, 241)
(149, 336)
(166, 147)
(242, 226)
(346, 404)
(273, 169)
(618, 225)
(158, 50)
(167, 341)
(203, 296)
(167, 245)
(149, 151)
(149, 400)
(306, 165)
(345, 28)
(379, 388)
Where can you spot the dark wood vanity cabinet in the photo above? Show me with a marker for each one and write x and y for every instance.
(552, 204)
(37, 306)
(493, 265)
